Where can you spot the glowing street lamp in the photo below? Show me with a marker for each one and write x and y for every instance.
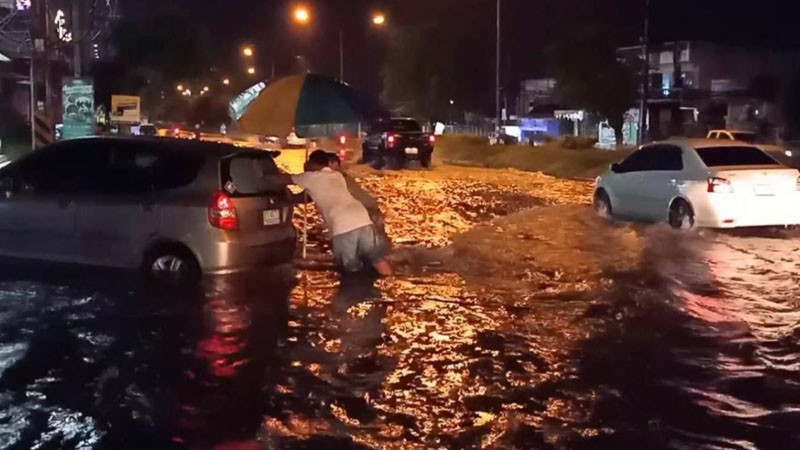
(180, 87)
(205, 88)
(379, 19)
(247, 51)
(302, 15)
(226, 81)
(251, 70)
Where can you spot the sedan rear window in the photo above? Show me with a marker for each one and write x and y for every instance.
(735, 156)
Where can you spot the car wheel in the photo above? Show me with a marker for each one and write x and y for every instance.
(366, 155)
(602, 204)
(172, 266)
(425, 160)
(681, 216)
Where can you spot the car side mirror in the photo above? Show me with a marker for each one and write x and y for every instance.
(616, 168)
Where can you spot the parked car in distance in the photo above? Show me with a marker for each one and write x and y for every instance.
(173, 208)
(701, 182)
(777, 151)
(395, 141)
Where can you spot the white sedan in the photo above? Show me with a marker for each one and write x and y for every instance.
(701, 182)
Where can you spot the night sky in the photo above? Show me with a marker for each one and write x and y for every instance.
(530, 27)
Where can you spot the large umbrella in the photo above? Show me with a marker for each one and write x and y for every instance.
(298, 102)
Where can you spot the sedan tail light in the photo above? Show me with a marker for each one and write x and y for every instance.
(342, 139)
(719, 185)
(221, 212)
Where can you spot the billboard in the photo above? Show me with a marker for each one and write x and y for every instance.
(126, 109)
(78, 100)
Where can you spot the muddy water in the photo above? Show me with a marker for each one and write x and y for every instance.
(545, 328)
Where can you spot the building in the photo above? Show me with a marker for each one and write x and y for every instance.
(693, 86)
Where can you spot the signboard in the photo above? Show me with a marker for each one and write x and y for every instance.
(78, 99)
(126, 109)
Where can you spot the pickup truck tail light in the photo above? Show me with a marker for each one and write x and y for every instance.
(432, 139)
(221, 212)
(391, 140)
(719, 186)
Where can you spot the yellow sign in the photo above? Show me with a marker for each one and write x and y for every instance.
(126, 109)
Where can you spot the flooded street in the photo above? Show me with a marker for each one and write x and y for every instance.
(517, 319)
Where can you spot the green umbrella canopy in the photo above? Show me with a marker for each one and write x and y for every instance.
(298, 102)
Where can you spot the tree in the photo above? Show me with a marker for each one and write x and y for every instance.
(151, 55)
(591, 75)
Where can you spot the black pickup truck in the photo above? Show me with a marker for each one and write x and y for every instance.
(395, 141)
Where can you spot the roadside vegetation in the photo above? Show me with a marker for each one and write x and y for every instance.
(553, 158)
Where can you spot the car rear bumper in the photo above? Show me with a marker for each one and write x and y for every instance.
(733, 211)
(229, 257)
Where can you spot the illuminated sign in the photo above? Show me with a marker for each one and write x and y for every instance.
(64, 35)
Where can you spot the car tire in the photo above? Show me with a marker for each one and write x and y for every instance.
(425, 160)
(602, 204)
(681, 215)
(172, 265)
(366, 155)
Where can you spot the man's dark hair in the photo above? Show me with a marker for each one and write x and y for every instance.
(333, 157)
(319, 157)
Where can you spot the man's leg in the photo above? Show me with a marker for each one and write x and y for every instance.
(345, 251)
(369, 248)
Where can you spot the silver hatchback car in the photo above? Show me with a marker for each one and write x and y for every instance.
(168, 206)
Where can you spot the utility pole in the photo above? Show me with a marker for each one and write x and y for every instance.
(645, 74)
(77, 40)
(497, 74)
(341, 55)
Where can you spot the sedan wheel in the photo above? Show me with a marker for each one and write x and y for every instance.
(681, 216)
(602, 204)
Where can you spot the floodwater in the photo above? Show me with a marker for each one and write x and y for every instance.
(517, 319)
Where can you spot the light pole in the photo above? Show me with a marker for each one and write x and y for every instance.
(302, 16)
(497, 74)
(645, 74)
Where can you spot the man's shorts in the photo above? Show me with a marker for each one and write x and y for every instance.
(352, 249)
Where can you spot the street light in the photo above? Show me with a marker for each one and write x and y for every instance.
(247, 51)
(180, 87)
(251, 70)
(226, 81)
(379, 19)
(302, 15)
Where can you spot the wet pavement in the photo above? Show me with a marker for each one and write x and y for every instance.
(517, 319)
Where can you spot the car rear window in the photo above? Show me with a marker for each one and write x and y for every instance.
(735, 156)
(750, 138)
(406, 126)
(242, 175)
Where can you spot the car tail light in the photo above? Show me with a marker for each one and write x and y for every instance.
(432, 139)
(342, 155)
(342, 140)
(221, 212)
(719, 185)
(391, 140)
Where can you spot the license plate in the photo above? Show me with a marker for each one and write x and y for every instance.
(763, 189)
(412, 150)
(272, 217)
